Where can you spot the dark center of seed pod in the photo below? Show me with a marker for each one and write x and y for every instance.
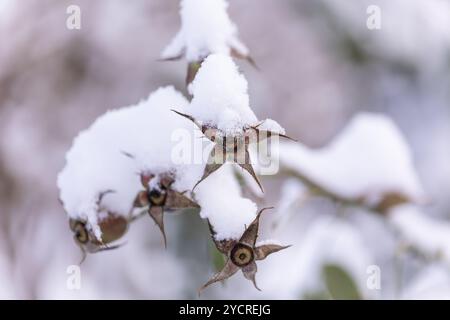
(241, 255)
(157, 197)
(81, 234)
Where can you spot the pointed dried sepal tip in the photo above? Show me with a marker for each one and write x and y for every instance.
(228, 270)
(185, 115)
(177, 200)
(249, 168)
(238, 55)
(213, 164)
(249, 272)
(261, 252)
(172, 58)
(83, 255)
(251, 233)
(157, 214)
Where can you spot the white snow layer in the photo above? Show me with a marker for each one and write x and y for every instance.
(97, 163)
(430, 235)
(398, 38)
(220, 97)
(433, 283)
(220, 198)
(205, 28)
(368, 159)
(328, 241)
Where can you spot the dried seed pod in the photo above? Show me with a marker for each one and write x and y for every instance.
(242, 254)
(233, 148)
(112, 227)
(161, 197)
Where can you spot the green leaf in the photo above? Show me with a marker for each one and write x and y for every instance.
(217, 258)
(339, 283)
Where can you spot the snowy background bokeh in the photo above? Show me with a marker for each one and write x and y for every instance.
(322, 70)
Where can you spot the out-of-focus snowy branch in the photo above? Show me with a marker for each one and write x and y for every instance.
(368, 164)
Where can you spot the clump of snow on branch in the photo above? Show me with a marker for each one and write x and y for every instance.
(205, 28)
(222, 204)
(97, 161)
(368, 159)
(220, 97)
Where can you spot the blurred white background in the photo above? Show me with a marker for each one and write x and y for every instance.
(319, 64)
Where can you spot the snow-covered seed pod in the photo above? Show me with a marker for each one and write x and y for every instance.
(159, 196)
(113, 227)
(98, 184)
(205, 29)
(243, 253)
(232, 147)
(220, 108)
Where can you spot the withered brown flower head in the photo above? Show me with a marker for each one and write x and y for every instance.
(113, 227)
(160, 198)
(242, 254)
(232, 148)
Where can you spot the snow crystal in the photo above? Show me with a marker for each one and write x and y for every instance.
(368, 159)
(205, 28)
(430, 235)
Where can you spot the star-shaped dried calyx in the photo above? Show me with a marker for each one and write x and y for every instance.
(160, 197)
(242, 254)
(112, 228)
(232, 147)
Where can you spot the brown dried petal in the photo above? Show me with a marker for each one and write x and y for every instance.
(249, 272)
(251, 233)
(210, 167)
(141, 200)
(255, 135)
(177, 200)
(224, 246)
(166, 181)
(113, 228)
(247, 166)
(236, 54)
(157, 214)
(145, 179)
(228, 270)
(263, 251)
